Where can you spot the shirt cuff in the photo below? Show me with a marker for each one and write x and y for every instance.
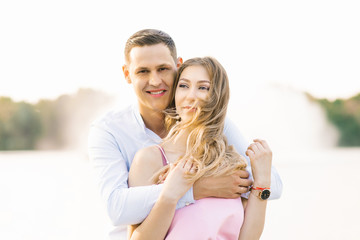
(186, 200)
(247, 194)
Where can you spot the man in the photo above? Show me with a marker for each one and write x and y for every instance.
(151, 65)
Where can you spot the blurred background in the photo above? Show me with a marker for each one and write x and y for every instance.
(295, 81)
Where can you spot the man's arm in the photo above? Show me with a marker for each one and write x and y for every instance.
(231, 186)
(228, 186)
(236, 139)
(125, 205)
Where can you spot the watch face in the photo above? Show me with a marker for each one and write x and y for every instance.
(265, 194)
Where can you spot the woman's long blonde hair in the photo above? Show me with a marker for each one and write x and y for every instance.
(206, 144)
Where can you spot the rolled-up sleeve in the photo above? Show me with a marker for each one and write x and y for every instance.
(125, 206)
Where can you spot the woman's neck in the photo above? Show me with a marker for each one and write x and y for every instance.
(177, 144)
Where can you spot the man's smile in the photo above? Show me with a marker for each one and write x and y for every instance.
(157, 92)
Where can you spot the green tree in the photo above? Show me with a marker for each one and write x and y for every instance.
(20, 125)
(345, 115)
(49, 124)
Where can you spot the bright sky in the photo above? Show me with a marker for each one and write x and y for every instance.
(48, 48)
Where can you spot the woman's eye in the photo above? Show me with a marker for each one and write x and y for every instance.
(182, 85)
(204, 88)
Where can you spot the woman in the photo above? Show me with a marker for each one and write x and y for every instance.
(196, 147)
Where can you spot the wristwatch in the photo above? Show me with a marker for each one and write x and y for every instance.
(262, 194)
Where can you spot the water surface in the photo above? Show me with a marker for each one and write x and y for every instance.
(53, 195)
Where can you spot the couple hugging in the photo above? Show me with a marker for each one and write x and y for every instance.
(173, 166)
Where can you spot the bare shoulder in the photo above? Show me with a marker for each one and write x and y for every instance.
(146, 163)
(149, 156)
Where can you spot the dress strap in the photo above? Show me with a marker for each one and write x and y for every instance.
(164, 158)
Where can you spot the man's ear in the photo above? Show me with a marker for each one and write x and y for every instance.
(179, 62)
(126, 73)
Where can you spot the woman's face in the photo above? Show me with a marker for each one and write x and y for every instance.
(193, 85)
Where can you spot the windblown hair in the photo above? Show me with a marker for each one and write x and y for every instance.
(206, 145)
(149, 37)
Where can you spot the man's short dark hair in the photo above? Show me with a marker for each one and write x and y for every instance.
(149, 37)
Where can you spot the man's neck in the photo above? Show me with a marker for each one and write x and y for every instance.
(155, 122)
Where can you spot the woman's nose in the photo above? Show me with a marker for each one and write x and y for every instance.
(192, 94)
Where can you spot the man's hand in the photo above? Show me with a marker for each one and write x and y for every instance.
(231, 186)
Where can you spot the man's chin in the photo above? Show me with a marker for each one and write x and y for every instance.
(159, 108)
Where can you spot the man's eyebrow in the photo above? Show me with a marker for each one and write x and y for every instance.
(158, 66)
(140, 68)
(163, 65)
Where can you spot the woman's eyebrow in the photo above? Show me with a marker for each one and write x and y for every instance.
(199, 81)
(184, 79)
(203, 81)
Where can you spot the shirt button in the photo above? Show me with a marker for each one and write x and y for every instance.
(187, 204)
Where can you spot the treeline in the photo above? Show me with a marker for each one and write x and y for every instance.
(64, 122)
(49, 124)
(345, 115)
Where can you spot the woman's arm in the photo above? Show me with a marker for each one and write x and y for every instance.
(146, 163)
(255, 208)
(236, 139)
(254, 218)
(156, 225)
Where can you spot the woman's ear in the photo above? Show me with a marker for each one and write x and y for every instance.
(179, 62)
(126, 73)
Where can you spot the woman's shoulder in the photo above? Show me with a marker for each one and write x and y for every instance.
(149, 155)
(146, 163)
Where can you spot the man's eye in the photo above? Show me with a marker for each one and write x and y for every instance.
(163, 69)
(142, 71)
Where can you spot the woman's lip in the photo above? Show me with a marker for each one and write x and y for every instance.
(190, 109)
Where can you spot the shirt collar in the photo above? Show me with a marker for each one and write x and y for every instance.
(145, 130)
(138, 117)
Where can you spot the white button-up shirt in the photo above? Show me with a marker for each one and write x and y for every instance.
(113, 141)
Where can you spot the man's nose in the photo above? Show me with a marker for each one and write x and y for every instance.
(155, 79)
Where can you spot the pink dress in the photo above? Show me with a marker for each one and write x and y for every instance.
(208, 218)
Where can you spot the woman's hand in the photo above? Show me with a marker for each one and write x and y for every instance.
(260, 156)
(176, 184)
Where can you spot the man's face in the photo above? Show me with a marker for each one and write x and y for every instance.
(151, 70)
